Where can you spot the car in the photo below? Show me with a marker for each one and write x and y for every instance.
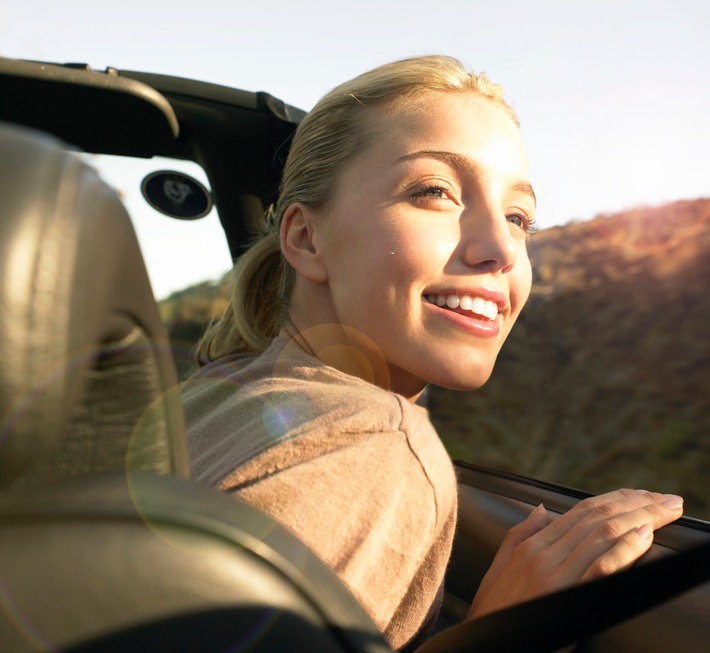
(105, 542)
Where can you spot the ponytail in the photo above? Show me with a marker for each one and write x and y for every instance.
(260, 285)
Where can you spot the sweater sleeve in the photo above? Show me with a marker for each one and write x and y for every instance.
(377, 507)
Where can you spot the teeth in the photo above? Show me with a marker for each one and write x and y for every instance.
(476, 305)
(482, 307)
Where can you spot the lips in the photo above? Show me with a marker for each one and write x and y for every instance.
(476, 305)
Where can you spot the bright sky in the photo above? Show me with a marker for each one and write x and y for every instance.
(613, 95)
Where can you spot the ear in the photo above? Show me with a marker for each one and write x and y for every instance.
(300, 242)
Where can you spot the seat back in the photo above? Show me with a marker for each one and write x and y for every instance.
(105, 545)
(84, 352)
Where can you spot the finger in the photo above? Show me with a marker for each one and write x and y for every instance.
(608, 534)
(578, 523)
(535, 522)
(624, 553)
(608, 522)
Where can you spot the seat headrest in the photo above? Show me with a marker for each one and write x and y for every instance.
(87, 380)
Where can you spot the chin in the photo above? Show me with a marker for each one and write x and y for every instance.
(466, 373)
(463, 386)
(463, 382)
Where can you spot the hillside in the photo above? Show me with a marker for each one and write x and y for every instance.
(186, 313)
(604, 382)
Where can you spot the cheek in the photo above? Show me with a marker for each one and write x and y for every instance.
(391, 255)
(421, 253)
(523, 280)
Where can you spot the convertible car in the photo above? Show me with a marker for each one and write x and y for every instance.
(105, 542)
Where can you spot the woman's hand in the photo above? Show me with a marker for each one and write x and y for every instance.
(597, 537)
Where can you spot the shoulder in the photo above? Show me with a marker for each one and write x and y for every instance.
(240, 406)
(289, 404)
(356, 472)
(291, 391)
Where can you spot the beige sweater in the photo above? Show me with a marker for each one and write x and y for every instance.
(356, 472)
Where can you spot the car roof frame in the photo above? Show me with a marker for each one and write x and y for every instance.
(240, 138)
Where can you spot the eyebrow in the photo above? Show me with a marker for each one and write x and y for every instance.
(460, 161)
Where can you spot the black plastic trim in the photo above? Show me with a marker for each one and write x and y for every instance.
(532, 491)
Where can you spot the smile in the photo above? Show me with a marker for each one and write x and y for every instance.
(477, 305)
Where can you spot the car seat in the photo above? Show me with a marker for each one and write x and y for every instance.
(105, 543)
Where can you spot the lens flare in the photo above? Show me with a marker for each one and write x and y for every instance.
(283, 413)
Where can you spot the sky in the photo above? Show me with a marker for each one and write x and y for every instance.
(613, 95)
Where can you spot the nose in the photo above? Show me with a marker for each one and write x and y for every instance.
(488, 243)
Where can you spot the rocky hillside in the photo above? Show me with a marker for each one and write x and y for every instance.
(605, 380)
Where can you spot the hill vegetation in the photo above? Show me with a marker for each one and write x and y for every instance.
(605, 380)
(187, 313)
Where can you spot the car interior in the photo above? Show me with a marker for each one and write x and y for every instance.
(105, 542)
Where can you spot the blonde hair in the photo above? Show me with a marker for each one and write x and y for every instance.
(330, 135)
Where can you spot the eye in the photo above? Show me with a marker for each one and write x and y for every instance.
(435, 191)
(523, 221)
(432, 191)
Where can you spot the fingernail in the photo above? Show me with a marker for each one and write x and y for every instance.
(540, 514)
(645, 531)
(672, 502)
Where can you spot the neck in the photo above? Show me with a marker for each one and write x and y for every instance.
(343, 348)
(350, 351)
(314, 327)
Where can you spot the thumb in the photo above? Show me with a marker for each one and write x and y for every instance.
(534, 523)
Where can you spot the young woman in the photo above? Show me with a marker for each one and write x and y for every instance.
(395, 257)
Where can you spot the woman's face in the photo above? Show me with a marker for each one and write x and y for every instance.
(424, 241)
